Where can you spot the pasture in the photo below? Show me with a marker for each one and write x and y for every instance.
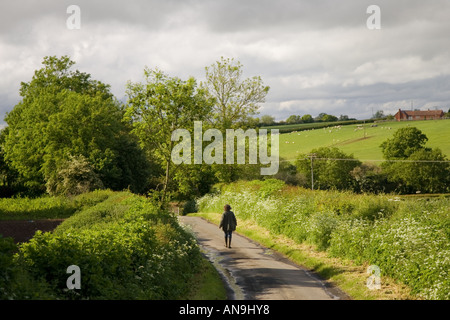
(361, 140)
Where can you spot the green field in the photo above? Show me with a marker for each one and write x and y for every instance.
(363, 141)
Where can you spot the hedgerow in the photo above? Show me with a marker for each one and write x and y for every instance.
(47, 207)
(126, 248)
(408, 239)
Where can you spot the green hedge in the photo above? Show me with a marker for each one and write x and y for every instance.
(408, 239)
(126, 248)
(47, 207)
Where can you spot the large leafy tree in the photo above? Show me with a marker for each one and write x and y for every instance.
(331, 168)
(293, 119)
(8, 176)
(404, 142)
(63, 114)
(159, 106)
(307, 118)
(236, 99)
(412, 166)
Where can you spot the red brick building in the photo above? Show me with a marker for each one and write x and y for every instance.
(402, 115)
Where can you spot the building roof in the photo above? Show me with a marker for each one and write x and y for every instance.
(422, 113)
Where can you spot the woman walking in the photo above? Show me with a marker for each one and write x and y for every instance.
(228, 224)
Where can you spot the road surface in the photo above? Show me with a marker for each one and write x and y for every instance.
(255, 272)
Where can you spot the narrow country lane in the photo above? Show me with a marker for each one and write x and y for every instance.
(255, 272)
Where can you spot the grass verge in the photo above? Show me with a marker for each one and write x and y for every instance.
(342, 273)
(207, 284)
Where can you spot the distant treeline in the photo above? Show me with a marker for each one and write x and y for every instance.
(286, 128)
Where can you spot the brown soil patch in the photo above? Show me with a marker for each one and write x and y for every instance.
(24, 230)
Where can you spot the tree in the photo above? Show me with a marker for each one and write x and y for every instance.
(404, 142)
(390, 117)
(371, 178)
(379, 115)
(4, 168)
(324, 117)
(287, 172)
(293, 119)
(63, 114)
(8, 177)
(329, 118)
(425, 170)
(307, 118)
(236, 99)
(267, 120)
(412, 166)
(193, 181)
(331, 168)
(159, 106)
(320, 116)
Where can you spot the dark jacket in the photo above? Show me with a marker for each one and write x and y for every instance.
(228, 222)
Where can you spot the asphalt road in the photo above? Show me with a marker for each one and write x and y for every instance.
(255, 272)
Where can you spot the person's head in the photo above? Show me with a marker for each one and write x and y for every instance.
(227, 207)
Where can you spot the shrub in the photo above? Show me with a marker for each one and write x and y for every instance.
(408, 240)
(322, 226)
(126, 248)
(76, 176)
(7, 248)
(328, 172)
(190, 206)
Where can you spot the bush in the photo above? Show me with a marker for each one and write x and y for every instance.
(322, 226)
(49, 207)
(76, 176)
(408, 240)
(7, 248)
(126, 248)
(350, 239)
(328, 170)
(190, 206)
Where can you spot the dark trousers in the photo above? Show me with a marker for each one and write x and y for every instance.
(228, 234)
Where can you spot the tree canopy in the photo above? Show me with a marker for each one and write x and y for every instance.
(158, 107)
(412, 166)
(236, 99)
(62, 114)
(404, 142)
(69, 134)
(331, 168)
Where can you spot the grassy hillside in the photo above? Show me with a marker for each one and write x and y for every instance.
(361, 140)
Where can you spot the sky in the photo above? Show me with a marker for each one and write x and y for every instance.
(316, 56)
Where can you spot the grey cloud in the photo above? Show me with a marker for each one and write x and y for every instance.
(239, 16)
(18, 18)
(315, 51)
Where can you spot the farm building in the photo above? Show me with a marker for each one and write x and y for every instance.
(419, 115)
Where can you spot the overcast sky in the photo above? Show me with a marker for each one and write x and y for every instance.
(316, 56)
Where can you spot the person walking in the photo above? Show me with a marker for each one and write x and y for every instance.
(228, 224)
